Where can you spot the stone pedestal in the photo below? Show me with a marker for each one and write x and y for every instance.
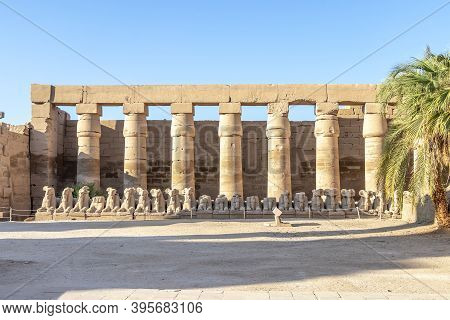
(230, 133)
(88, 133)
(183, 132)
(278, 133)
(374, 129)
(326, 131)
(135, 133)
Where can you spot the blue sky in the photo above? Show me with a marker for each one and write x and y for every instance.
(201, 42)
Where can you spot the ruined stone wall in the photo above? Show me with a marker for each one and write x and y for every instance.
(14, 167)
(254, 155)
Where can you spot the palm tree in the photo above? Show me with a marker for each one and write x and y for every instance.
(421, 126)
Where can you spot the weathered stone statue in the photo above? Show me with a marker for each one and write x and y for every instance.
(82, 203)
(300, 202)
(236, 203)
(49, 202)
(269, 204)
(66, 203)
(128, 202)
(348, 199)
(364, 202)
(143, 206)
(221, 204)
(394, 208)
(112, 201)
(331, 201)
(189, 202)
(97, 205)
(174, 203)
(253, 204)
(284, 204)
(316, 200)
(205, 203)
(379, 203)
(158, 201)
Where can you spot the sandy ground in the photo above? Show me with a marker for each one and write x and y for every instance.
(237, 259)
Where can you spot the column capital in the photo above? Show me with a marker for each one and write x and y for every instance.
(184, 107)
(279, 108)
(88, 108)
(230, 107)
(326, 108)
(135, 108)
(326, 126)
(374, 125)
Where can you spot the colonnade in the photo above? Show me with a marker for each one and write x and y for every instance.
(278, 134)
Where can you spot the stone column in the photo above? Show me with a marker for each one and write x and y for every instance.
(278, 133)
(326, 131)
(183, 132)
(230, 134)
(374, 129)
(88, 133)
(135, 133)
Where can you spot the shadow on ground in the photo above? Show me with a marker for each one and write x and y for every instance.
(53, 266)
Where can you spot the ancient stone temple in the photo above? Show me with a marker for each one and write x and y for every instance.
(224, 166)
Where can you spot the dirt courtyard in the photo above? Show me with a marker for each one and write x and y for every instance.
(232, 259)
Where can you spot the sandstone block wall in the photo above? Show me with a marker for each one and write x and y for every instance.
(14, 168)
(254, 155)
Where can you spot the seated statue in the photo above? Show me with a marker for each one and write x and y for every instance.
(253, 204)
(66, 203)
(269, 204)
(143, 206)
(49, 202)
(348, 199)
(128, 202)
(316, 200)
(189, 202)
(112, 201)
(174, 203)
(204, 203)
(82, 203)
(221, 203)
(300, 201)
(331, 200)
(158, 201)
(284, 203)
(364, 202)
(97, 205)
(236, 203)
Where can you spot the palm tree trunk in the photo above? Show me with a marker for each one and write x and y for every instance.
(440, 204)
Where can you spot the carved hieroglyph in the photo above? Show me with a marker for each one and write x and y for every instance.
(326, 131)
(278, 134)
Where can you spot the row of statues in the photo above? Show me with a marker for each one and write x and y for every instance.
(140, 202)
